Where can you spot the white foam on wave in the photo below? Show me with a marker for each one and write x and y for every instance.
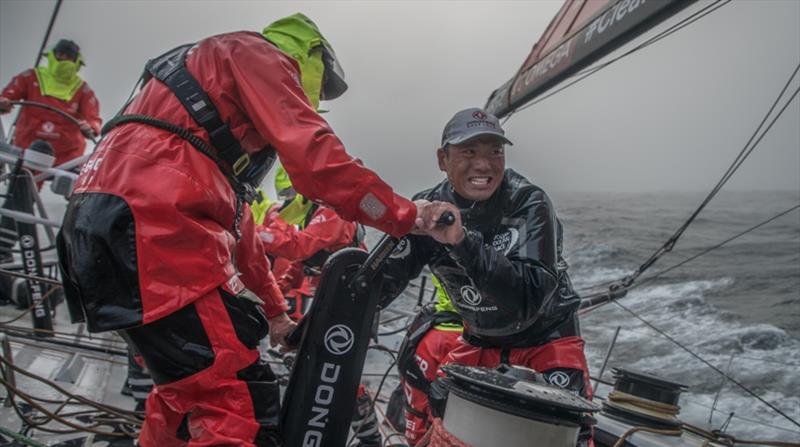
(762, 357)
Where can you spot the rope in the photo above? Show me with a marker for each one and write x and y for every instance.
(20, 438)
(743, 154)
(100, 341)
(662, 410)
(730, 440)
(392, 353)
(734, 381)
(123, 417)
(627, 281)
(122, 413)
(621, 440)
(590, 299)
(14, 274)
(31, 307)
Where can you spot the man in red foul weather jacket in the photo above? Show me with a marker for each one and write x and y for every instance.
(158, 241)
(58, 85)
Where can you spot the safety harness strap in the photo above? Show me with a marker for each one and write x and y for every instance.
(170, 69)
(427, 319)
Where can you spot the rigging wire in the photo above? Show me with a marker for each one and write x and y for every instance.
(707, 363)
(39, 55)
(37, 422)
(707, 250)
(670, 243)
(626, 282)
(581, 75)
(393, 355)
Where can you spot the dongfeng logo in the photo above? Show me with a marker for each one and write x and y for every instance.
(471, 296)
(559, 379)
(339, 339)
(478, 115)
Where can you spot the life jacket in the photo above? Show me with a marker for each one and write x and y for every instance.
(244, 171)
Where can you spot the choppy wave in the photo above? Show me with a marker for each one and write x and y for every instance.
(762, 357)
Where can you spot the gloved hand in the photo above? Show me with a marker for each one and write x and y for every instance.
(437, 396)
(279, 327)
(86, 129)
(5, 105)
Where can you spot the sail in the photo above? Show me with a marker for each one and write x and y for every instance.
(582, 32)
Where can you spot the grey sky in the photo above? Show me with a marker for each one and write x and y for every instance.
(670, 117)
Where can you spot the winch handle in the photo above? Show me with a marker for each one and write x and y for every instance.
(368, 270)
(379, 255)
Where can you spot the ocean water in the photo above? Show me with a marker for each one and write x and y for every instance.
(737, 307)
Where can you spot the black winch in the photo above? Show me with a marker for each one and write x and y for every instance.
(642, 399)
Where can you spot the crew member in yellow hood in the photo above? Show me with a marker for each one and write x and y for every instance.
(321, 75)
(56, 84)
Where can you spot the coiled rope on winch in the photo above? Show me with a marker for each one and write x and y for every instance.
(707, 363)
(668, 413)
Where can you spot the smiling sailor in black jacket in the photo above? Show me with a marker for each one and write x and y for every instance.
(500, 263)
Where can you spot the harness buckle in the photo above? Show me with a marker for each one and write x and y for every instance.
(241, 164)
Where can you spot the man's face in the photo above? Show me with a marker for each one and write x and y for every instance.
(62, 56)
(474, 167)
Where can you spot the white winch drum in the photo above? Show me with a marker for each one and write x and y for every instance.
(481, 426)
(511, 407)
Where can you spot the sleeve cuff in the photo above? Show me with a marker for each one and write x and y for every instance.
(274, 304)
(467, 249)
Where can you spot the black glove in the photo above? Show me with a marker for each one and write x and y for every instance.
(437, 396)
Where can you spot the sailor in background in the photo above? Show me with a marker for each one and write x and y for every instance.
(158, 241)
(500, 264)
(56, 84)
(299, 236)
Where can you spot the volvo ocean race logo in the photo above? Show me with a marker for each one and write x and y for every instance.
(505, 241)
(339, 339)
(470, 295)
(402, 249)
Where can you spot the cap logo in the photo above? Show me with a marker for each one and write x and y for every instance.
(479, 115)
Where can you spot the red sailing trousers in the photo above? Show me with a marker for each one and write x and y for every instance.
(210, 387)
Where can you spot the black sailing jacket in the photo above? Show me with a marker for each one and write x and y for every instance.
(507, 277)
